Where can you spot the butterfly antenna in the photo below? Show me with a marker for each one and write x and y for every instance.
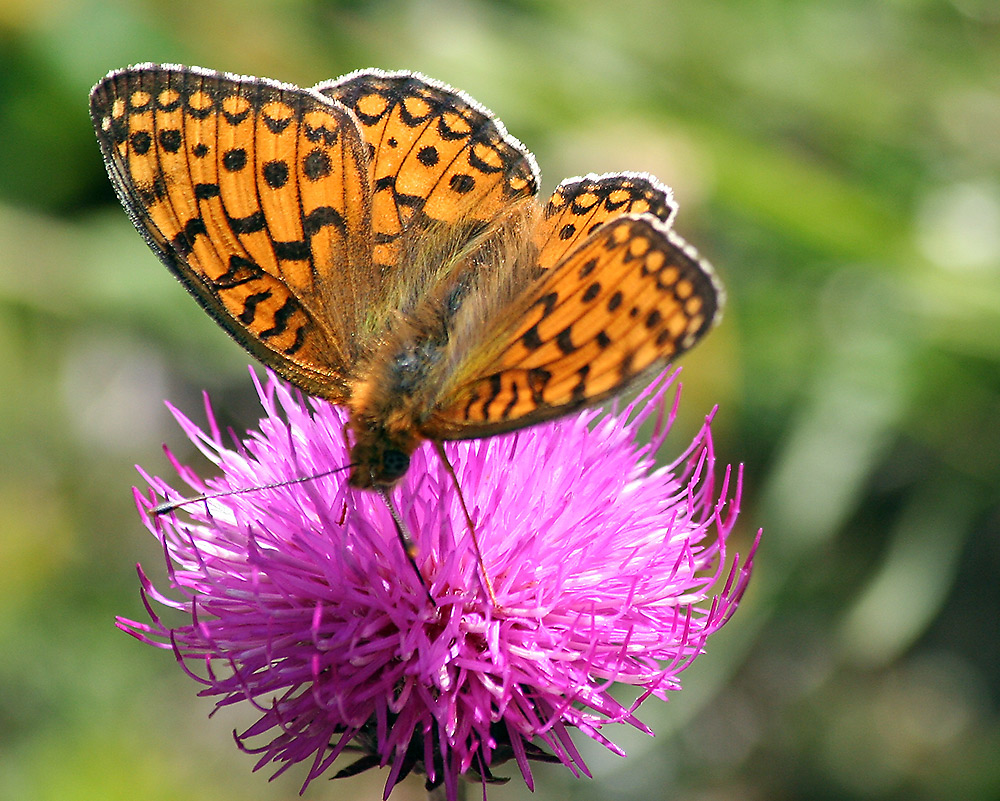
(487, 584)
(170, 506)
(403, 533)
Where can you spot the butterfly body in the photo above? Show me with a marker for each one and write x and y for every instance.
(400, 386)
(377, 241)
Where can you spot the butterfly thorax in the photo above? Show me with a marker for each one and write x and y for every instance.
(440, 329)
(387, 408)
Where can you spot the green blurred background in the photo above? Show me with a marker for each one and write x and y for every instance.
(838, 161)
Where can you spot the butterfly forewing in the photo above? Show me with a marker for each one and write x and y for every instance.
(631, 298)
(255, 194)
(439, 159)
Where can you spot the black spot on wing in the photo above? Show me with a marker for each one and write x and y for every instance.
(183, 242)
(251, 224)
(564, 339)
(428, 156)
(170, 140)
(141, 141)
(462, 183)
(538, 379)
(531, 340)
(234, 159)
(250, 306)
(316, 164)
(281, 318)
(206, 191)
(295, 250)
(275, 173)
(321, 217)
(592, 292)
(240, 271)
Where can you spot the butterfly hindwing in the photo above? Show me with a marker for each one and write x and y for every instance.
(255, 194)
(579, 206)
(626, 302)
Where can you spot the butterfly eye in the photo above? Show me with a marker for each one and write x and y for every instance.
(394, 466)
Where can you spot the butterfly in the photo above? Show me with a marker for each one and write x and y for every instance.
(377, 241)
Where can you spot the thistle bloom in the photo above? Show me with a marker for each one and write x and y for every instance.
(299, 598)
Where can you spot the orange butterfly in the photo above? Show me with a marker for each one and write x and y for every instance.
(377, 241)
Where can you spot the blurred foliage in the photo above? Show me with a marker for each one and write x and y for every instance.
(839, 161)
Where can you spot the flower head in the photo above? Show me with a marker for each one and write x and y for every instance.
(300, 600)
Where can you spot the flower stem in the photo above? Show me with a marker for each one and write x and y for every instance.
(440, 794)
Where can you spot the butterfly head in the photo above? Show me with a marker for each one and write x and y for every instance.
(380, 456)
(384, 471)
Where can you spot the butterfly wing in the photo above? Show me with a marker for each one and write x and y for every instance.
(579, 206)
(255, 194)
(443, 168)
(627, 301)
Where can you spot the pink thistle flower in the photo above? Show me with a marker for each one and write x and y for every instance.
(300, 600)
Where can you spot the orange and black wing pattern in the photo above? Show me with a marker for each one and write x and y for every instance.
(579, 206)
(255, 194)
(628, 300)
(438, 160)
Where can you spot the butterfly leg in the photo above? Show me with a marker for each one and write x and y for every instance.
(403, 533)
(487, 584)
